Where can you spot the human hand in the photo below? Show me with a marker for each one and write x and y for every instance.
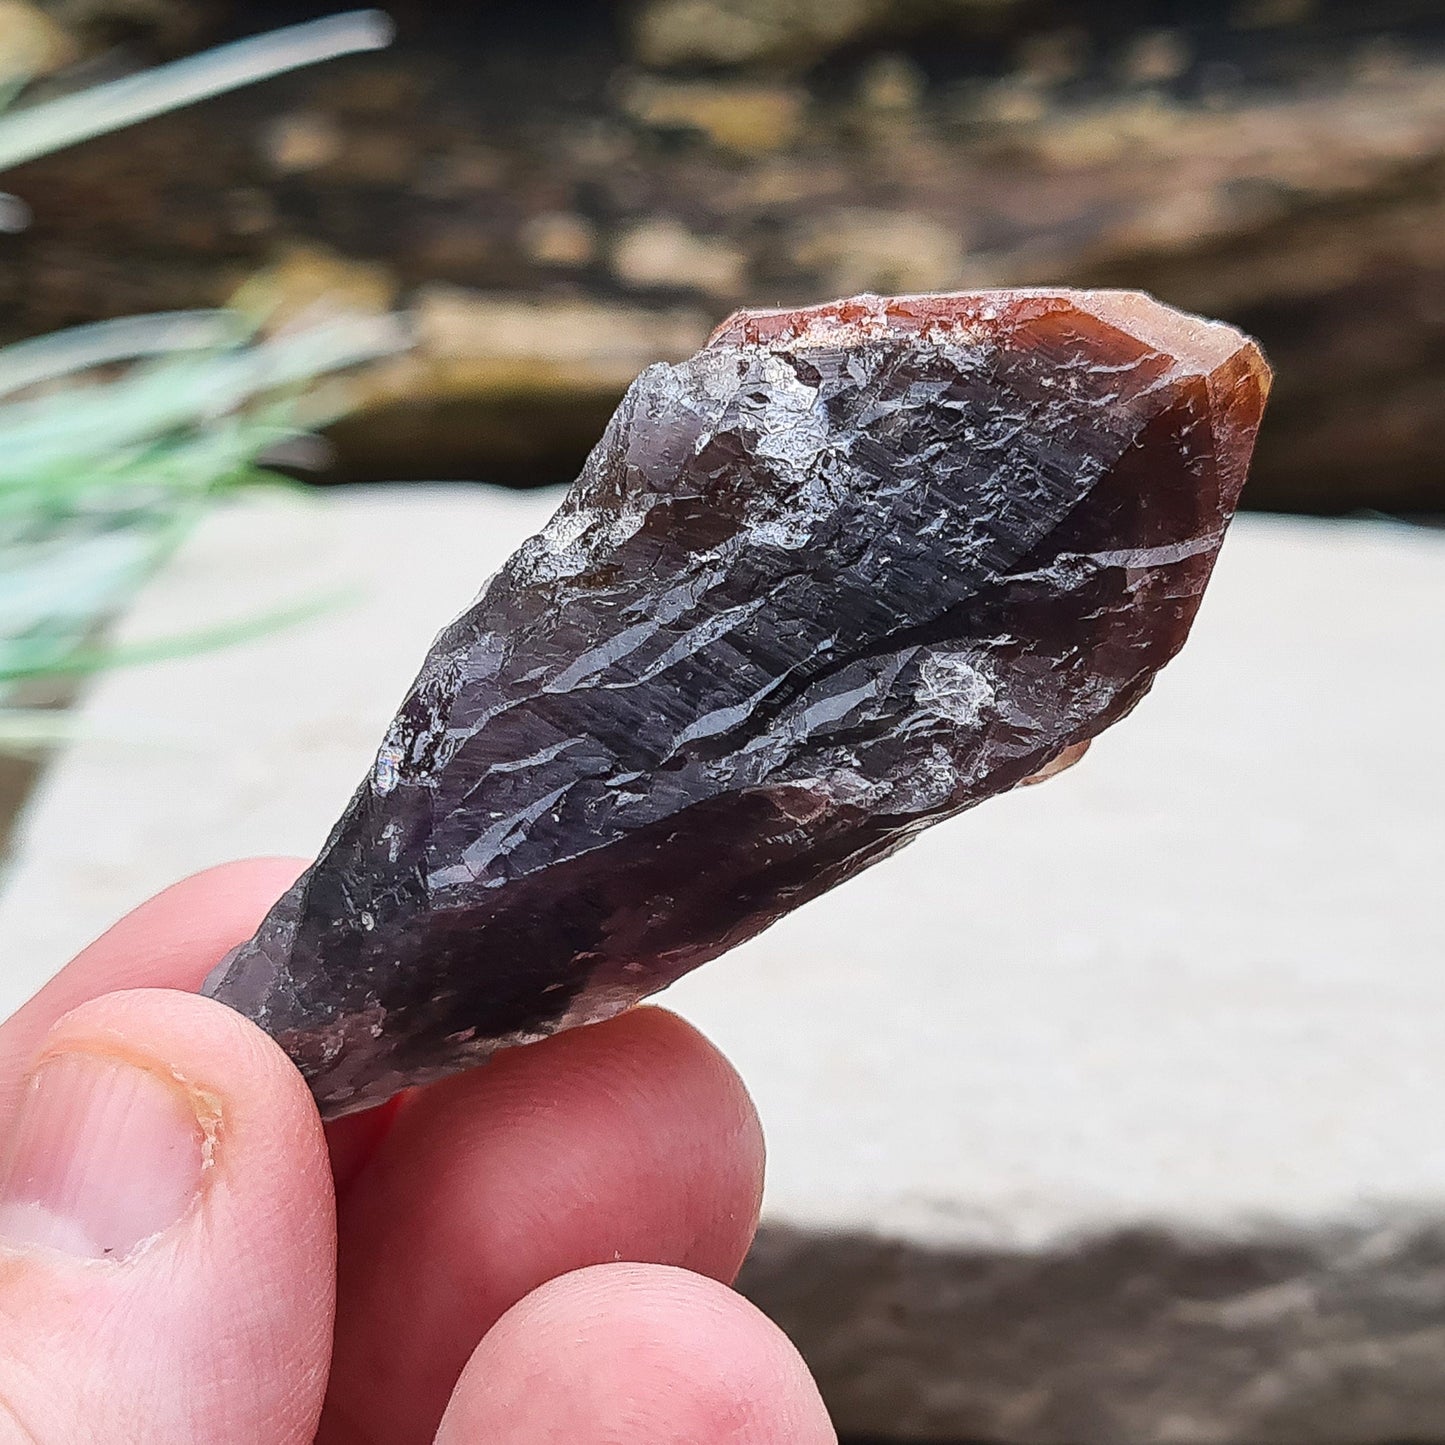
(533, 1252)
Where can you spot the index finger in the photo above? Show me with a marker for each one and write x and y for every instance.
(172, 941)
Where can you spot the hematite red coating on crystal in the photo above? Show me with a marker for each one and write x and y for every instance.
(846, 572)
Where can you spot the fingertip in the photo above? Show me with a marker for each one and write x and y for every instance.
(633, 1139)
(170, 1227)
(643, 1088)
(649, 1353)
(266, 1151)
(646, 1088)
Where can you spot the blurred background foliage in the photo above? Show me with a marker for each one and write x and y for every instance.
(117, 434)
(561, 193)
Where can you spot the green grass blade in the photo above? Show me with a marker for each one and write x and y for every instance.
(28, 730)
(82, 661)
(50, 126)
(103, 343)
(68, 430)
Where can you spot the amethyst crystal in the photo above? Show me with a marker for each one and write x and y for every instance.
(845, 572)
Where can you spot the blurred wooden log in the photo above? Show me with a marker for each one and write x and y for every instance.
(561, 215)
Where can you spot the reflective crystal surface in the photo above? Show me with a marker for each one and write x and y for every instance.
(846, 572)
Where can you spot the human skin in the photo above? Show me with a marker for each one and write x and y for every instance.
(538, 1251)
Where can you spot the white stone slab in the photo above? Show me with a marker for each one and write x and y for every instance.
(1114, 1110)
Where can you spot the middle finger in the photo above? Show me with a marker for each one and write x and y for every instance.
(630, 1140)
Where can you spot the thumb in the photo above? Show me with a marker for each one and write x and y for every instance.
(167, 1234)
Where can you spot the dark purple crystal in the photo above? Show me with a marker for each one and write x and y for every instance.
(845, 572)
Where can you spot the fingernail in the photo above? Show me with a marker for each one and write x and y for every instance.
(104, 1156)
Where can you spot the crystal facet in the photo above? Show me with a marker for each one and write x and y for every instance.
(847, 571)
